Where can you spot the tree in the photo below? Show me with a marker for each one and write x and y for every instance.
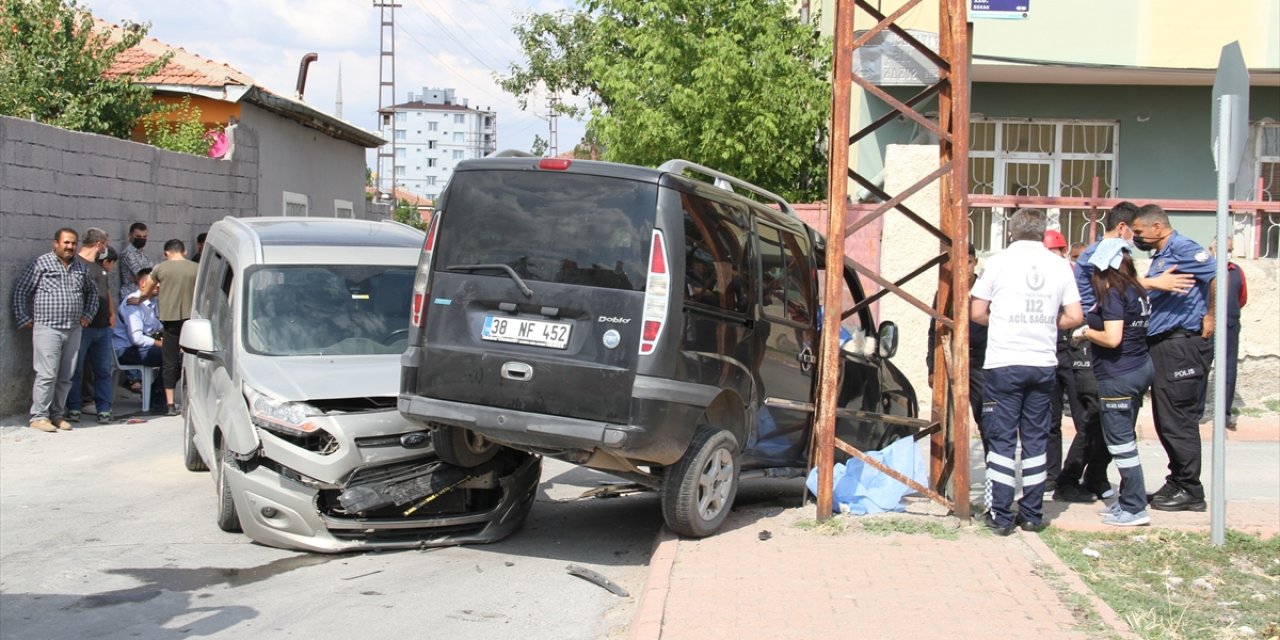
(407, 213)
(53, 60)
(742, 87)
(540, 146)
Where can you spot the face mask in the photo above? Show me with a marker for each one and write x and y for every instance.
(1142, 244)
(138, 243)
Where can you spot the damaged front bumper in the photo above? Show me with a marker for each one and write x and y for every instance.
(378, 496)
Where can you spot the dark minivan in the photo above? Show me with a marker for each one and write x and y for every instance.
(656, 326)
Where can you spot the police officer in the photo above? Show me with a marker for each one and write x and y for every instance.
(1179, 337)
(1025, 295)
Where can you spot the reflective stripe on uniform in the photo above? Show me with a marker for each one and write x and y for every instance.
(1126, 447)
(1032, 480)
(1128, 463)
(1002, 478)
(1004, 461)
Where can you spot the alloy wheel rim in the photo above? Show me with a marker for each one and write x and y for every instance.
(714, 483)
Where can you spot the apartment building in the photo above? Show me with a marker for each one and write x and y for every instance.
(432, 132)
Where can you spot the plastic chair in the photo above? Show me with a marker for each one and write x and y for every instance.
(148, 377)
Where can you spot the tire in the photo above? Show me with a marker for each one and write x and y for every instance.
(462, 448)
(190, 455)
(699, 490)
(228, 520)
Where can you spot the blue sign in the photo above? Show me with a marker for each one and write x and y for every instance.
(999, 9)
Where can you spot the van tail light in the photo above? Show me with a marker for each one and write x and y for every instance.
(422, 280)
(656, 296)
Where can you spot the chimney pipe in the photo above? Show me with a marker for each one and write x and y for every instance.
(302, 73)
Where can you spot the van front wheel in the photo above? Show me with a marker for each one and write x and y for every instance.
(698, 491)
(462, 448)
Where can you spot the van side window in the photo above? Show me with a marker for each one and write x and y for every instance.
(220, 306)
(785, 275)
(717, 253)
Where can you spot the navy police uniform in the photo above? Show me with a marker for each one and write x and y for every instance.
(1181, 360)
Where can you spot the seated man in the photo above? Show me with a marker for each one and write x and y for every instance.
(137, 332)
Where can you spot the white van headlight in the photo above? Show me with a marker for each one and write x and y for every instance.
(290, 418)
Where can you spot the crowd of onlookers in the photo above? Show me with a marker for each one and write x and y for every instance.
(82, 323)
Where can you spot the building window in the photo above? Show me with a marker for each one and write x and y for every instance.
(457, 154)
(295, 204)
(401, 117)
(433, 126)
(401, 152)
(431, 144)
(399, 171)
(459, 137)
(1268, 171)
(343, 209)
(400, 134)
(431, 162)
(459, 118)
(1049, 158)
(431, 181)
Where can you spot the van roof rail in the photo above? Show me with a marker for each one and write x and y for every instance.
(511, 153)
(678, 166)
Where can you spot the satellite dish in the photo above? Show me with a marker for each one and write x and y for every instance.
(220, 144)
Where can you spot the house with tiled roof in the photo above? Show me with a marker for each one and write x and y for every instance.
(301, 173)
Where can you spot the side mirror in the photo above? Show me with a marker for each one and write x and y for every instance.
(888, 339)
(197, 336)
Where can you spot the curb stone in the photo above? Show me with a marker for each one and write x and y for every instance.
(1106, 614)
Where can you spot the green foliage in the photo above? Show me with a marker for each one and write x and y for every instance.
(177, 127)
(52, 61)
(740, 87)
(540, 146)
(407, 213)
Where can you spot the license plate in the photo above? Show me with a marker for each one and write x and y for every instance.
(538, 333)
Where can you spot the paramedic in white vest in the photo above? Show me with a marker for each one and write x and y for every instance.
(1025, 295)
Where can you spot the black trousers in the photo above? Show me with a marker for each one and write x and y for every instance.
(172, 353)
(1181, 361)
(1086, 461)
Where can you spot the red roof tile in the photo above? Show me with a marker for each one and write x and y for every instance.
(184, 68)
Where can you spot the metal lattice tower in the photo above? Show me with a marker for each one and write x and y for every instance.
(386, 166)
(553, 143)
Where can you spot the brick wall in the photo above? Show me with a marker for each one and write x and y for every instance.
(51, 178)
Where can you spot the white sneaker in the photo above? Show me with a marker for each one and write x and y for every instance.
(1111, 510)
(1126, 519)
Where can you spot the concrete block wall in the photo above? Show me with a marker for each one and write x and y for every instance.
(906, 246)
(52, 178)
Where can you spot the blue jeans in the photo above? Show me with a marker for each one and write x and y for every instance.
(95, 348)
(1121, 397)
(1016, 407)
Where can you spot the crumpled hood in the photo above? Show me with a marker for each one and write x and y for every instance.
(304, 378)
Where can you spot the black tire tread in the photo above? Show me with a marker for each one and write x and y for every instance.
(680, 488)
(227, 518)
(450, 446)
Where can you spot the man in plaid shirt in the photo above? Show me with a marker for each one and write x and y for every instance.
(133, 260)
(55, 298)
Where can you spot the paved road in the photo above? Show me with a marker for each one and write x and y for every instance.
(103, 534)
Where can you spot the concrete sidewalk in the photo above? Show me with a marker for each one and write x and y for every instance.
(763, 576)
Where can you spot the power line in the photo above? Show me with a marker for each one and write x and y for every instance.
(508, 101)
(449, 34)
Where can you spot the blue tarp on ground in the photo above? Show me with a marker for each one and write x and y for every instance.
(861, 489)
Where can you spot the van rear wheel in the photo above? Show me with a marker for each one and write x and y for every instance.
(461, 447)
(699, 490)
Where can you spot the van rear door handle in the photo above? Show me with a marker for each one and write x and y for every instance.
(517, 371)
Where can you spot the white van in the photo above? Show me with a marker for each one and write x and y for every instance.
(290, 381)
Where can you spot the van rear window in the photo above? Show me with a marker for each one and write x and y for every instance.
(550, 226)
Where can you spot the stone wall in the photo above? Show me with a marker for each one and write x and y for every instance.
(905, 246)
(52, 178)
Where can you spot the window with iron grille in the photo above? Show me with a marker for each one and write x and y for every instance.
(1049, 158)
(1268, 171)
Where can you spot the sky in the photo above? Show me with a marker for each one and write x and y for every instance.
(439, 43)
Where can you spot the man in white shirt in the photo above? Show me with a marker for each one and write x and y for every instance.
(1025, 295)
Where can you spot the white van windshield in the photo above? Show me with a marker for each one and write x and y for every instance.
(330, 310)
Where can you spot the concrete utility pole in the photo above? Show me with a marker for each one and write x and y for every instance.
(387, 95)
(337, 103)
(553, 131)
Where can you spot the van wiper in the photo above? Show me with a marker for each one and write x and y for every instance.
(524, 288)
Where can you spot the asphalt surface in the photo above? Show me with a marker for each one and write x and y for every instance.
(103, 534)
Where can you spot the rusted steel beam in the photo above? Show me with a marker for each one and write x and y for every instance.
(932, 55)
(953, 21)
(899, 199)
(837, 192)
(886, 118)
(1047, 202)
(878, 279)
(902, 109)
(883, 468)
(873, 298)
(884, 22)
(911, 215)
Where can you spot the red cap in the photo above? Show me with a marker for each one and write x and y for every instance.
(1054, 240)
